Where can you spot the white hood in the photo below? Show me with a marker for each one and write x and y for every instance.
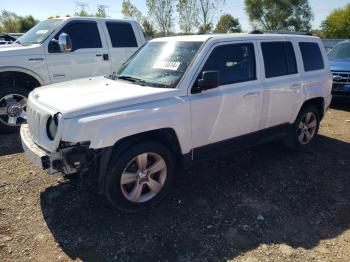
(84, 96)
(18, 50)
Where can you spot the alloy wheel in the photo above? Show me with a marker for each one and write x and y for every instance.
(143, 177)
(13, 109)
(307, 128)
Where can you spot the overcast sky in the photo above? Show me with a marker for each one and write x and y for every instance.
(41, 9)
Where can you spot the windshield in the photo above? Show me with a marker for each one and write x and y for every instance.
(160, 64)
(39, 33)
(341, 51)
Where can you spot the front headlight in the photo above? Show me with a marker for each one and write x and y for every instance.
(51, 126)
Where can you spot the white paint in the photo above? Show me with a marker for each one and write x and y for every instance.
(104, 111)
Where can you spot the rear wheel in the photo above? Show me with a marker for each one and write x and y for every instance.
(13, 102)
(305, 128)
(140, 177)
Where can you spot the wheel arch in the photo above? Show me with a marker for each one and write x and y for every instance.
(318, 102)
(10, 76)
(165, 136)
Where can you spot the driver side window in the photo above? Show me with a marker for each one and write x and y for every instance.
(84, 34)
(235, 63)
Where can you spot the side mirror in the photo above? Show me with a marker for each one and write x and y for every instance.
(210, 80)
(65, 43)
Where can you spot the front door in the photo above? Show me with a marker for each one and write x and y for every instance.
(232, 109)
(89, 55)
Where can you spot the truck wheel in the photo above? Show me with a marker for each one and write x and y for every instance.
(13, 101)
(304, 130)
(140, 177)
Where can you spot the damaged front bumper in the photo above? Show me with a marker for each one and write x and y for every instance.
(65, 161)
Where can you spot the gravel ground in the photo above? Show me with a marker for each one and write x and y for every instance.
(263, 204)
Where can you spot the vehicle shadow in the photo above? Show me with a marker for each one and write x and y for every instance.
(341, 104)
(10, 144)
(217, 209)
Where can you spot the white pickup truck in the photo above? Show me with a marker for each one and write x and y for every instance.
(177, 101)
(57, 50)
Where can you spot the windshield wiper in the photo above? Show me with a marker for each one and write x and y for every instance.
(132, 79)
(18, 42)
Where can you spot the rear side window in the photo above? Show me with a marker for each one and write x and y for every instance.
(312, 56)
(235, 63)
(279, 59)
(83, 34)
(121, 34)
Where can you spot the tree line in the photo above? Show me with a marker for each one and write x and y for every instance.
(198, 16)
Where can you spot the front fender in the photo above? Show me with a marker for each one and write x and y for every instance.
(106, 128)
(25, 71)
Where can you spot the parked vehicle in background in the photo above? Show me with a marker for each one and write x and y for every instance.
(176, 101)
(9, 38)
(57, 50)
(330, 43)
(339, 58)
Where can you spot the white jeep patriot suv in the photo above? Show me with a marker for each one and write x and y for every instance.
(57, 50)
(177, 101)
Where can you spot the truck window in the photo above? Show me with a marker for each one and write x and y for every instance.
(312, 56)
(235, 63)
(121, 34)
(279, 59)
(84, 34)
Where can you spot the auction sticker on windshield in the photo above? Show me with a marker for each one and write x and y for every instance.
(167, 65)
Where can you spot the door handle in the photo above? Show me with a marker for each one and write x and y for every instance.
(295, 86)
(105, 56)
(252, 94)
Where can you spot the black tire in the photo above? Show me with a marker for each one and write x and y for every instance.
(119, 162)
(5, 91)
(292, 139)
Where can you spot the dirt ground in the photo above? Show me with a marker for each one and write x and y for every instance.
(263, 204)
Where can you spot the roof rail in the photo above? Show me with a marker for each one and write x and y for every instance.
(285, 32)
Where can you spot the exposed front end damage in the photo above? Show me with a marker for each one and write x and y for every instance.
(68, 159)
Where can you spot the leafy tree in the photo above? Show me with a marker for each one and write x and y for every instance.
(337, 24)
(82, 13)
(203, 29)
(207, 11)
(162, 13)
(294, 15)
(188, 15)
(27, 22)
(301, 17)
(101, 11)
(130, 11)
(12, 23)
(228, 24)
(148, 29)
(9, 22)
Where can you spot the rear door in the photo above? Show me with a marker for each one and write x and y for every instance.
(281, 82)
(89, 55)
(123, 41)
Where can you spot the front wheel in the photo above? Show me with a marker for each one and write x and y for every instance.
(304, 130)
(13, 101)
(140, 177)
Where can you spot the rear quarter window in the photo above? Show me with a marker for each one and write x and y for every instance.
(312, 56)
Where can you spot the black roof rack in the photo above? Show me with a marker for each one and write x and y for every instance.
(282, 32)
